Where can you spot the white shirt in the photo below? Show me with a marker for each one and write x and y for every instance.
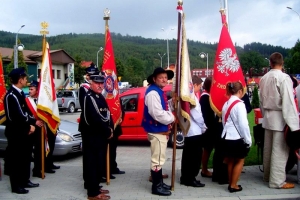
(197, 126)
(155, 109)
(239, 127)
(277, 102)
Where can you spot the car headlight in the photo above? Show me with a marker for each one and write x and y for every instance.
(65, 137)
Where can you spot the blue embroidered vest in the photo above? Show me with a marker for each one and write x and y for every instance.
(148, 123)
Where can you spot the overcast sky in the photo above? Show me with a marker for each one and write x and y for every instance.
(265, 21)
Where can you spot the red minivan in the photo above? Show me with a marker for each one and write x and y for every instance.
(133, 104)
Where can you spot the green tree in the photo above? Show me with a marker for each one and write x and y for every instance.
(21, 61)
(292, 63)
(255, 98)
(79, 71)
(252, 59)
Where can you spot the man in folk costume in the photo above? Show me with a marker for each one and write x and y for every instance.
(157, 122)
(278, 109)
(36, 136)
(19, 127)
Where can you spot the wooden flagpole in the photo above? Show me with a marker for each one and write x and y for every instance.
(44, 31)
(176, 92)
(106, 18)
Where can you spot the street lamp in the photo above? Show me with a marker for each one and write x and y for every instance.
(294, 11)
(161, 59)
(167, 45)
(100, 49)
(16, 48)
(203, 55)
(269, 64)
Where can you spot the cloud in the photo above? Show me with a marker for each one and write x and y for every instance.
(267, 21)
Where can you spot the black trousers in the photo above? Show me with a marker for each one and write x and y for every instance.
(18, 161)
(191, 158)
(113, 143)
(219, 168)
(94, 153)
(51, 142)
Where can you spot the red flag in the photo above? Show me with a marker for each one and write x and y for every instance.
(2, 93)
(111, 88)
(227, 68)
(47, 107)
(182, 79)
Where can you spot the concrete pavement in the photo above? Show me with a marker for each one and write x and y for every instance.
(67, 183)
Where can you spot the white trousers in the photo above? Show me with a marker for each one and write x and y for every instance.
(158, 150)
(276, 153)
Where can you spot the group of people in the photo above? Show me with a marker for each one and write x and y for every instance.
(23, 132)
(97, 130)
(229, 135)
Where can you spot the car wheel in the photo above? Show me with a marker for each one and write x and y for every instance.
(71, 108)
(179, 138)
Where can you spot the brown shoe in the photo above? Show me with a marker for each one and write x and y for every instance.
(288, 186)
(99, 197)
(164, 176)
(104, 191)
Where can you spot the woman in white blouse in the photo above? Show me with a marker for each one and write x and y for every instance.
(236, 134)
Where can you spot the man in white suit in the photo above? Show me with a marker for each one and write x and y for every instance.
(278, 109)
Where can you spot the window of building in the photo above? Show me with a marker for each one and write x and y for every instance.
(58, 74)
(53, 73)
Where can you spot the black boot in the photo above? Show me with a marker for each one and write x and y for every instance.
(157, 184)
(165, 186)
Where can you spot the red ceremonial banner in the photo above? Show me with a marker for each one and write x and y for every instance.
(111, 88)
(227, 68)
(2, 93)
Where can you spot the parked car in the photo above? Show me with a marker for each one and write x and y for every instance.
(68, 139)
(133, 105)
(68, 100)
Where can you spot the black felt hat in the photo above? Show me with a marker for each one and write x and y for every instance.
(157, 71)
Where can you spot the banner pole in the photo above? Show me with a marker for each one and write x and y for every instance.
(106, 18)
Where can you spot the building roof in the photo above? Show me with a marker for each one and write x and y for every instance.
(57, 56)
(86, 63)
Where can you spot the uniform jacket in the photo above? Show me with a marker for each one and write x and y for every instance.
(95, 117)
(18, 119)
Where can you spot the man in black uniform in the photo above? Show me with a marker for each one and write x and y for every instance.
(84, 88)
(31, 101)
(97, 127)
(19, 125)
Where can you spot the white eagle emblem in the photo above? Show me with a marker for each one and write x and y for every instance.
(228, 62)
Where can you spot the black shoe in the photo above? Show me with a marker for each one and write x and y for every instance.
(29, 184)
(231, 190)
(19, 190)
(50, 171)
(166, 187)
(160, 190)
(229, 186)
(112, 177)
(118, 172)
(194, 183)
(55, 167)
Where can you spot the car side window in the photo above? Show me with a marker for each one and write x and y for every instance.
(130, 102)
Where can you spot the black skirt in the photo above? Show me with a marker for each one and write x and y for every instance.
(235, 148)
